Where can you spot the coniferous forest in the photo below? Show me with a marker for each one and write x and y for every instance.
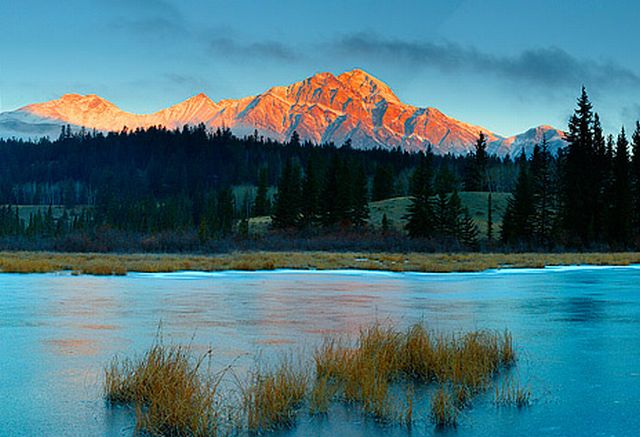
(198, 190)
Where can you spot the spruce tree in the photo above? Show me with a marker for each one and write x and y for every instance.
(468, 231)
(310, 196)
(542, 194)
(330, 211)
(262, 205)
(383, 187)
(490, 217)
(622, 201)
(579, 182)
(517, 223)
(476, 172)
(420, 220)
(635, 182)
(454, 214)
(360, 198)
(286, 212)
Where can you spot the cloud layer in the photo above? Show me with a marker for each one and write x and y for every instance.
(549, 67)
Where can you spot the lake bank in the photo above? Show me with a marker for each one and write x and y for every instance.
(120, 264)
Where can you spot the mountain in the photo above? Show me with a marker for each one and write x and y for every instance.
(322, 108)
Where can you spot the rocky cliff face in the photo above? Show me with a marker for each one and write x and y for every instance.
(322, 108)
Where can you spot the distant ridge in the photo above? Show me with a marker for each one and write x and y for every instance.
(322, 108)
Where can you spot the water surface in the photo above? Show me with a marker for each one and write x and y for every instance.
(577, 331)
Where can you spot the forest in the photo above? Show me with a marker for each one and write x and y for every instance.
(201, 190)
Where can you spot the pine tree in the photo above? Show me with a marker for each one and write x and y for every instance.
(542, 192)
(476, 173)
(262, 205)
(468, 231)
(635, 182)
(420, 219)
(490, 218)
(330, 211)
(517, 223)
(579, 182)
(454, 214)
(383, 187)
(310, 196)
(295, 139)
(622, 201)
(360, 198)
(385, 224)
(286, 212)
(600, 173)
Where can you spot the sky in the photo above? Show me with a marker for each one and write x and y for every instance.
(504, 65)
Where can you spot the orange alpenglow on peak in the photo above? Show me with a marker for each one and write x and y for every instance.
(322, 108)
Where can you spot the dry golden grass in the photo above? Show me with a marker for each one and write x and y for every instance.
(272, 397)
(109, 264)
(444, 412)
(511, 393)
(171, 396)
(381, 355)
(174, 396)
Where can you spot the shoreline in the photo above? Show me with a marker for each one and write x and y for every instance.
(121, 264)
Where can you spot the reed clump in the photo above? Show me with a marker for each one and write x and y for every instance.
(272, 397)
(171, 396)
(511, 393)
(444, 411)
(381, 355)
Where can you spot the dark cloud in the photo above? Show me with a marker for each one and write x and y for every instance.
(154, 18)
(550, 67)
(271, 50)
(186, 80)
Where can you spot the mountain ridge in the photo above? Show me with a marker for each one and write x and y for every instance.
(321, 108)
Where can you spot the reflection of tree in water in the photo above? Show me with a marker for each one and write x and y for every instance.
(583, 309)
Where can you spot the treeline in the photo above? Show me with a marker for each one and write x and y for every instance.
(195, 189)
(588, 197)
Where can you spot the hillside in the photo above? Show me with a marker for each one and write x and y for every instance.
(396, 209)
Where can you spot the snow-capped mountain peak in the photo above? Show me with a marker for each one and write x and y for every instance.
(322, 108)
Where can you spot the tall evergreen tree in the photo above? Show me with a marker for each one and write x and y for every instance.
(262, 205)
(622, 201)
(286, 212)
(468, 231)
(490, 217)
(383, 186)
(579, 182)
(420, 219)
(517, 223)
(310, 196)
(476, 173)
(331, 211)
(360, 198)
(543, 196)
(635, 181)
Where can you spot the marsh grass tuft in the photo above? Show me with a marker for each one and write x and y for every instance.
(444, 412)
(171, 395)
(511, 393)
(365, 369)
(272, 396)
(377, 373)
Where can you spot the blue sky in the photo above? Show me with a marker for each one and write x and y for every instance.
(505, 65)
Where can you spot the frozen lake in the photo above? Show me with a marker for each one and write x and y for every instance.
(577, 331)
